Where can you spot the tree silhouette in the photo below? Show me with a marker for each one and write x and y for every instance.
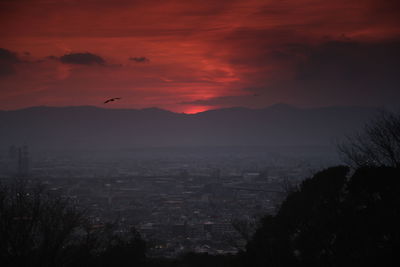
(333, 220)
(35, 226)
(377, 145)
(38, 228)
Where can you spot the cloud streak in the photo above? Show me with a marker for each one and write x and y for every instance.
(139, 59)
(82, 59)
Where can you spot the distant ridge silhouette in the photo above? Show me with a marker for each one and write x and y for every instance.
(94, 127)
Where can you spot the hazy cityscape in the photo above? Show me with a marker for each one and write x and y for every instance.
(179, 199)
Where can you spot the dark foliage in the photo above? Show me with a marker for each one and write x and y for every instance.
(197, 260)
(333, 220)
(38, 228)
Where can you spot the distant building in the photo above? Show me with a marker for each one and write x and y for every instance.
(12, 152)
(216, 175)
(208, 227)
(18, 160)
(179, 229)
(250, 177)
(23, 160)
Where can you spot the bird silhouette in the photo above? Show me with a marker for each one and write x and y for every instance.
(111, 99)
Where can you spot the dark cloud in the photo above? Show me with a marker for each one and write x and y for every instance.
(7, 61)
(139, 59)
(342, 72)
(385, 10)
(351, 61)
(82, 58)
(6, 69)
(353, 68)
(347, 72)
(7, 55)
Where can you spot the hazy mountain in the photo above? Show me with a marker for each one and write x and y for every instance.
(92, 127)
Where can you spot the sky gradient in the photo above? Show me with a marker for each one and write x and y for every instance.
(190, 56)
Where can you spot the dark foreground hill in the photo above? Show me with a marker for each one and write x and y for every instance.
(91, 127)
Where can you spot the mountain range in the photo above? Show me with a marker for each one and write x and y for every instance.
(86, 127)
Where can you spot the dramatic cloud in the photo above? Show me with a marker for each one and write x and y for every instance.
(82, 58)
(345, 72)
(351, 61)
(209, 54)
(7, 61)
(139, 59)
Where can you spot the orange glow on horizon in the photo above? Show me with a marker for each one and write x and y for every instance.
(196, 109)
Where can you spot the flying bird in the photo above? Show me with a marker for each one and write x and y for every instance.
(111, 99)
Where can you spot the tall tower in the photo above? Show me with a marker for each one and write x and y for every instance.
(12, 159)
(23, 161)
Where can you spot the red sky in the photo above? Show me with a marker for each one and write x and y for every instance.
(190, 55)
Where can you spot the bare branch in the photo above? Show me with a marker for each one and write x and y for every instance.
(377, 145)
